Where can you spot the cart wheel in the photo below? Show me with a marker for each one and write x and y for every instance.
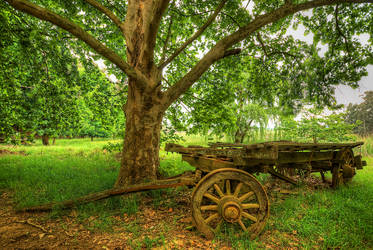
(345, 169)
(229, 195)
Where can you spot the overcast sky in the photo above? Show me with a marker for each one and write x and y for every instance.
(346, 95)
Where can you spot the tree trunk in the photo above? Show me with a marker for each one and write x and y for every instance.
(54, 141)
(91, 138)
(145, 104)
(238, 137)
(45, 140)
(140, 155)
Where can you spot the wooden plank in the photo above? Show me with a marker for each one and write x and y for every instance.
(297, 157)
(281, 176)
(258, 153)
(207, 164)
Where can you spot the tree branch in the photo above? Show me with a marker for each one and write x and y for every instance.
(107, 12)
(231, 52)
(167, 39)
(262, 44)
(217, 52)
(339, 29)
(74, 29)
(195, 36)
(234, 20)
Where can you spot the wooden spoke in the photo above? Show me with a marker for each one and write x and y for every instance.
(242, 225)
(237, 190)
(209, 207)
(250, 205)
(229, 196)
(228, 186)
(212, 197)
(245, 196)
(249, 216)
(211, 218)
(217, 188)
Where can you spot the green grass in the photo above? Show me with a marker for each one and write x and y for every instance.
(325, 219)
(367, 148)
(50, 176)
(341, 218)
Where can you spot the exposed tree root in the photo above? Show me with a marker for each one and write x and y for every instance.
(158, 184)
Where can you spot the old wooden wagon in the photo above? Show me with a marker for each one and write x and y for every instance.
(227, 190)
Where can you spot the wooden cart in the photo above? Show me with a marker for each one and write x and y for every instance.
(228, 192)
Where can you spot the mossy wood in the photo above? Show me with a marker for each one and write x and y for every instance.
(267, 156)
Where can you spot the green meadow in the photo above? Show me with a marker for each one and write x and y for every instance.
(309, 218)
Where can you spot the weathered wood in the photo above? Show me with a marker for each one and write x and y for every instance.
(259, 152)
(281, 176)
(231, 195)
(290, 146)
(158, 184)
(297, 157)
(313, 157)
(207, 164)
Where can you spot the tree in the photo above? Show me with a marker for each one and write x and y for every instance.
(362, 112)
(316, 127)
(100, 104)
(156, 38)
(38, 79)
(230, 101)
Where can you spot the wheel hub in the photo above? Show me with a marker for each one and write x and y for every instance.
(230, 209)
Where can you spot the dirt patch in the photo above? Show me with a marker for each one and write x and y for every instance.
(8, 152)
(151, 227)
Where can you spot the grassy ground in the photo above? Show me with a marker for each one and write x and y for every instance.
(308, 219)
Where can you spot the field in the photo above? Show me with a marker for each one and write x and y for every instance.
(301, 217)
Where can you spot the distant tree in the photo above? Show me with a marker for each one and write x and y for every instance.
(362, 112)
(99, 105)
(236, 97)
(315, 127)
(46, 89)
(38, 79)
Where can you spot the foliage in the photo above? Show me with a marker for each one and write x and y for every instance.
(99, 104)
(113, 147)
(38, 78)
(315, 127)
(46, 89)
(362, 112)
(231, 100)
(169, 134)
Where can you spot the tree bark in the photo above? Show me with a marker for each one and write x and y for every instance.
(140, 155)
(45, 140)
(145, 106)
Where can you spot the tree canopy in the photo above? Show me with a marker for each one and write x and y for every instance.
(45, 88)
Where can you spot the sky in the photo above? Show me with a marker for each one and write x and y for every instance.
(345, 95)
